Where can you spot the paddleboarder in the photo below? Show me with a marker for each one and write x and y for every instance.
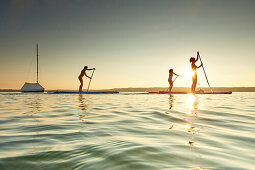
(83, 72)
(171, 82)
(192, 60)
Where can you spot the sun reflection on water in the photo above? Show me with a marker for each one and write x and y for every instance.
(192, 104)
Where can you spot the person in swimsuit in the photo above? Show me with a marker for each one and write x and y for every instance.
(192, 60)
(171, 82)
(83, 72)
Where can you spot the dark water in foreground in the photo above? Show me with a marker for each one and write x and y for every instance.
(127, 131)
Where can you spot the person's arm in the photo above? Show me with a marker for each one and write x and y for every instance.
(197, 56)
(175, 74)
(91, 69)
(86, 75)
(200, 65)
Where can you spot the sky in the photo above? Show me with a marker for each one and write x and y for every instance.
(131, 43)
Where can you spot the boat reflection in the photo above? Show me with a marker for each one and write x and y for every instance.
(33, 105)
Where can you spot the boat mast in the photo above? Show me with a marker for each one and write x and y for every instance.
(37, 63)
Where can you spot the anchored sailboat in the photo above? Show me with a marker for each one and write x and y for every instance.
(33, 87)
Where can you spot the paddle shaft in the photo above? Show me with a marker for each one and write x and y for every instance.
(175, 78)
(205, 72)
(90, 80)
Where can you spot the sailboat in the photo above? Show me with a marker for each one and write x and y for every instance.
(33, 87)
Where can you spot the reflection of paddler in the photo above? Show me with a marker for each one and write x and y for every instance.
(171, 101)
(171, 82)
(192, 60)
(83, 72)
(82, 102)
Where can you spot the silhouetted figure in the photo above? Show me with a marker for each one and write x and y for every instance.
(192, 60)
(83, 72)
(171, 82)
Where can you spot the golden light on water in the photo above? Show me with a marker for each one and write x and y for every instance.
(192, 101)
(187, 126)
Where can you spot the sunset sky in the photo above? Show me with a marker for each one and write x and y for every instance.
(131, 43)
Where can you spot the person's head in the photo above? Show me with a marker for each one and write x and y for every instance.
(171, 70)
(192, 60)
(85, 67)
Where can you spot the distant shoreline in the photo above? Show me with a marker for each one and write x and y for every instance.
(156, 89)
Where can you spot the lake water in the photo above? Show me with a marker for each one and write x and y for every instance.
(127, 131)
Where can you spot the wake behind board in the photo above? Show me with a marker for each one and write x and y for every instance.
(167, 92)
(84, 92)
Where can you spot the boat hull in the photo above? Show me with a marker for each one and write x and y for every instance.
(32, 87)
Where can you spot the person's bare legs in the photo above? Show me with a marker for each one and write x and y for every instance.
(194, 84)
(192, 87)
(170, 87)
(81, 81)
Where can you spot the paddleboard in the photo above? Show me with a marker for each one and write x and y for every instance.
(167, 92)
(84, 92)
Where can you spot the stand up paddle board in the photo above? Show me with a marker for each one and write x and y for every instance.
(167, 92)
(84, 92)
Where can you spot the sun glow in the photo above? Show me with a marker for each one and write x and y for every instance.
(189, 73)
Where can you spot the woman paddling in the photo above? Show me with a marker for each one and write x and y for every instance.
(171, 82)
(192, 60)
(83, 72)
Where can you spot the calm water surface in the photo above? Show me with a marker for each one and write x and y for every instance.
(127, 131)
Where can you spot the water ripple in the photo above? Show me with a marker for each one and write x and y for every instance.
(127, 131)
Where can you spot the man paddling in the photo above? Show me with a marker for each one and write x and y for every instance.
(192, 60)
(83, 72)
(171, 82)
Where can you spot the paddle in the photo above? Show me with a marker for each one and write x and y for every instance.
(175, 78)
(90, 79)
(204, 71)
